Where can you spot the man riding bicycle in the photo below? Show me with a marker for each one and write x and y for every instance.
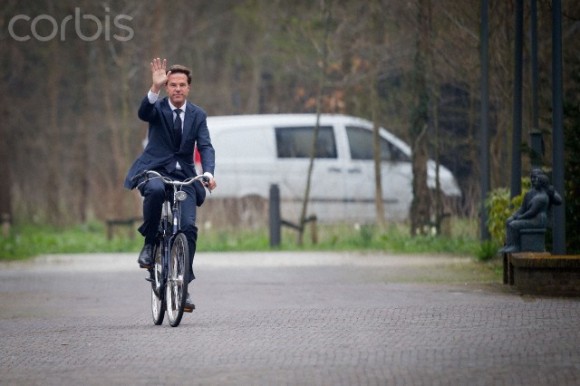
(176, 126)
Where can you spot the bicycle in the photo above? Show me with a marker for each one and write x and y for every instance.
(168, 276)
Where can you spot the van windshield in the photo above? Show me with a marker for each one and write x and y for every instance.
(360, 142)
(296, 142)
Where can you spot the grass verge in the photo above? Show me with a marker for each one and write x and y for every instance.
(28, 241)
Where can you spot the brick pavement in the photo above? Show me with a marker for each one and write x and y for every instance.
(282, 318)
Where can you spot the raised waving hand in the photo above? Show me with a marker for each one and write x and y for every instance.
(158, 74)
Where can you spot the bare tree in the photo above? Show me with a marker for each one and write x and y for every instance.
(63, 160)
(377, 32)
(327, 14)
(420, 206)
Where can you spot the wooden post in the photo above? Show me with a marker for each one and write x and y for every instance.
(5, 225)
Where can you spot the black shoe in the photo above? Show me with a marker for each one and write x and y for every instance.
(146, 256)
(189, 306)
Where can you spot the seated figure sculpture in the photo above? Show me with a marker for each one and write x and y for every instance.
(533, 213)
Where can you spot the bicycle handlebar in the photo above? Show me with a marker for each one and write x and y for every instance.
(169, 181)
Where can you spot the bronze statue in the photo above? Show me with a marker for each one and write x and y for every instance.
(533, 213)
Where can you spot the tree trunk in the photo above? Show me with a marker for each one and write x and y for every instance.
(420, 206)
(322, 81)
(54, 141)
(378, 33)
(379, 205)
(6, 184)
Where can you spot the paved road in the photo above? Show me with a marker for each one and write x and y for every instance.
(282, 318)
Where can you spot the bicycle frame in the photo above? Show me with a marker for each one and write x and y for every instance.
(169, 226)
(168, 277)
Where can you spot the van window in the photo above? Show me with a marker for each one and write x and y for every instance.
(360, 141)
(296, 142)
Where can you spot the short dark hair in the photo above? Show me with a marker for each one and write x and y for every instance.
(179, 69)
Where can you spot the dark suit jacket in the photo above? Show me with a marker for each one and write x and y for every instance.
(160, 154)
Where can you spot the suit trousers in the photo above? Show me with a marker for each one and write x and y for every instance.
(154, 194)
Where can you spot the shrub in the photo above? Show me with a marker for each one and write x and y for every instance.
(487, 250)
(500, 207)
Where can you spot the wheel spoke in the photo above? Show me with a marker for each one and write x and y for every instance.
(176, 284)
(157, 301)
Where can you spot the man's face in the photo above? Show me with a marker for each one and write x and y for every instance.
(177, 88)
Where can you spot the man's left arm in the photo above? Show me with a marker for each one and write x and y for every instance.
(206, 151)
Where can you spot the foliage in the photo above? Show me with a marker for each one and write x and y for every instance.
(33, 240)
(248, 57)
(500, 207)
(30, 240)
(487, 250)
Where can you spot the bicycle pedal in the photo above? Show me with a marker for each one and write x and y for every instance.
(149, 279)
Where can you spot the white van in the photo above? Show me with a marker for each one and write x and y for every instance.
(255, 151)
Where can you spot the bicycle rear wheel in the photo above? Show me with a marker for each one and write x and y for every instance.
(176, 286)
(157, 295)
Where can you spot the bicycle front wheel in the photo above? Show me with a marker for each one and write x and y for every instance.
(157, 300)
(176, 286)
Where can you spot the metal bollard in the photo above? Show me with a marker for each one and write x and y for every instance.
(275, 220)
